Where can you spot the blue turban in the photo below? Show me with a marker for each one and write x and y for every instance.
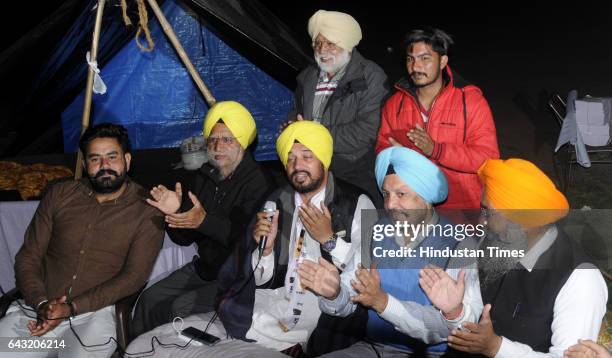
(418, 172)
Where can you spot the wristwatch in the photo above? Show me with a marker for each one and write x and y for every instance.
(330, 244)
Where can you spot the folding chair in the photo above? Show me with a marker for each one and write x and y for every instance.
(597, 155)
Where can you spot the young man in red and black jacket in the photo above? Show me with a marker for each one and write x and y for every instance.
(437, 113)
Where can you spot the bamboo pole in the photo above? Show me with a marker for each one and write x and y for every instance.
(181, 52)
(78, 171)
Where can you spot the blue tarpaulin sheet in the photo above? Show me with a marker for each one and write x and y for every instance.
(154, 97)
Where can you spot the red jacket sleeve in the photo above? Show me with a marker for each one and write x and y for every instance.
(382, 140)
(481, 138)
(392, 124)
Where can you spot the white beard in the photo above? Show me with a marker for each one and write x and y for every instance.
(337, 61)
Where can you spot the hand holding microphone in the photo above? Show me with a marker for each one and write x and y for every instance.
(266, 228)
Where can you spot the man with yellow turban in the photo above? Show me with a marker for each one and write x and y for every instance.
(548, 296)
(318, 218)
(213, 213)
(344, 92)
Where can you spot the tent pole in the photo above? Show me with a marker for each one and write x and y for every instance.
(181, 52)
(78, 171)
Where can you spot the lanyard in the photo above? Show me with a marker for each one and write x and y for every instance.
(295, 290)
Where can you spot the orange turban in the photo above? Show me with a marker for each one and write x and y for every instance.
(517, 187)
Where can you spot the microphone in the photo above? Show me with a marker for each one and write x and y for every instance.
(269, 209)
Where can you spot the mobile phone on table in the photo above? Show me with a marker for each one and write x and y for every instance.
(200, 336)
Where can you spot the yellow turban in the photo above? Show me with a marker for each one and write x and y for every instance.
(337, 27)
(312, 135)
(517, 187)
(237, 119)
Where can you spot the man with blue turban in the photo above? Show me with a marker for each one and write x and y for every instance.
(406, 313)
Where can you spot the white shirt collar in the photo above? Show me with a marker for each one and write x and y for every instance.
(543, 244)
(316, 199)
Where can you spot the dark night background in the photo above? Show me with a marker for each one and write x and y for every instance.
(518, 54)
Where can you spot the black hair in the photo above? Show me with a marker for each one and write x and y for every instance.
(105, 130)
(439, 40)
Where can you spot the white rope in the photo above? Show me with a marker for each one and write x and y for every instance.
(99, 87)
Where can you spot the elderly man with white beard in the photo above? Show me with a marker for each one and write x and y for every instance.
(344, 92)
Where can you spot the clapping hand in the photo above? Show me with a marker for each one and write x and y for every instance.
(322, 278)
(369, 291)
(316, 221)
(479, 337)
(167, 201)
(421, 140)
(444, 292)
(190, 219)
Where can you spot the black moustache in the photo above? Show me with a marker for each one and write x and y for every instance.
(106, 171)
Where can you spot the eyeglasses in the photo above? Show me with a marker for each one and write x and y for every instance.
(224, 140)
(319, 45)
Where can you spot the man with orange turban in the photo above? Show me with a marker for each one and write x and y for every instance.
(540, 302)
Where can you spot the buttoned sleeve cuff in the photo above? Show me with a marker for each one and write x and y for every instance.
(337, 305)
(394, 310)
(455, 323)
(340, 253)
(265, 269)
(506, 349)
(511, 349)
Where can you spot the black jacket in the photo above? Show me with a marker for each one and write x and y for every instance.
(352, 115)
(229, 205)
(236, 284)
(523, 301)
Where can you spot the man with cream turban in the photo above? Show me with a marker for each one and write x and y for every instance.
(344, 92)
(405, 314)
(213, 213)
(542, 301)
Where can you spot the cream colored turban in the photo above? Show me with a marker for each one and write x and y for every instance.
(337, 27)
